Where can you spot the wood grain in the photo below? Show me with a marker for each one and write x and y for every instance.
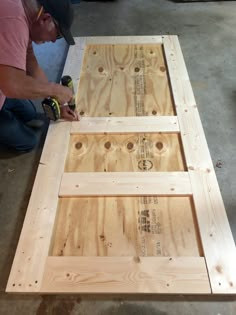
(124, 226)
(124, 80)
(186, 275)
(125, 153)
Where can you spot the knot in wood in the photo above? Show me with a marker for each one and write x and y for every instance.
(78, 145)
(130, 146)
(159, 145)
(107, 145)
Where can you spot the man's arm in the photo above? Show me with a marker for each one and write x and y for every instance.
(15, 83)
(32, 67)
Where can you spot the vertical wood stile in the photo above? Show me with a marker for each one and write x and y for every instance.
(217, 240)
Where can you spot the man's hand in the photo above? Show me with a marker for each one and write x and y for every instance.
(68, 114)
(62, 94)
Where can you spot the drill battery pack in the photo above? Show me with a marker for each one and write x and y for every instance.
(51, 108)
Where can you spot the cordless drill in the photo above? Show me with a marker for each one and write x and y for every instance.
(51, 106)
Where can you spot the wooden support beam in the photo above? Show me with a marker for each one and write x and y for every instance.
(169, 275)
(34, 243)
(125, 184)
(100, 125)
(217, 240)
(116, 40)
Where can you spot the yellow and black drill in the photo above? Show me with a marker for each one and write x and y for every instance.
(51, 106)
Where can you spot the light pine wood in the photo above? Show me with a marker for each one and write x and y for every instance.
(217, 240)
(125, 153)
(182, 275)
(103, 125)
(32, 251)
(124, 80)
(125, 184)
(126, 226)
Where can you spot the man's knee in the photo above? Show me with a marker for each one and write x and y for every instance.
(26, 146)
(28, 111)
(22, 109)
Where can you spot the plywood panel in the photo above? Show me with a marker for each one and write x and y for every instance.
(124, 153)
(124, 80)
(126, 226)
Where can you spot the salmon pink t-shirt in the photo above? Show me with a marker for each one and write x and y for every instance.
(14, 36)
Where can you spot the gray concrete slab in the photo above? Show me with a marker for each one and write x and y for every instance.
(207, 35)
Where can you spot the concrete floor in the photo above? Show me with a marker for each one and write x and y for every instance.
(207, 35)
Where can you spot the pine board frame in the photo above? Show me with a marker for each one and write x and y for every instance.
(34, 271)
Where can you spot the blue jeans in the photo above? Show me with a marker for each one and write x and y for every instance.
(13, 132)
